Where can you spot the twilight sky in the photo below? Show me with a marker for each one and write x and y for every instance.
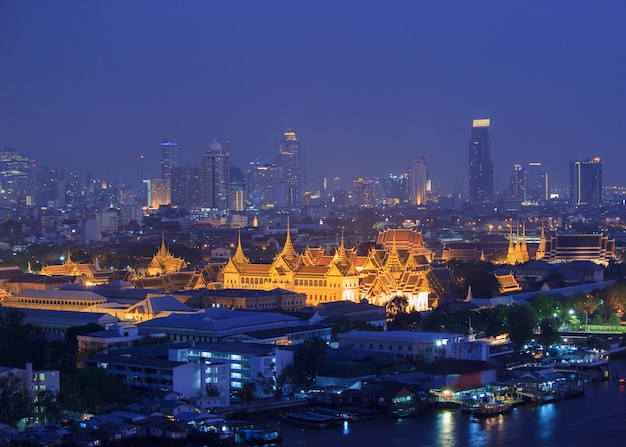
(366, 85)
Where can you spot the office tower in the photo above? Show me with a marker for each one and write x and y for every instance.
(418, 181)
(480, 163)
(395, 189)
(158, 192)
(214, 177)
(585, 181)
(17, 177)
(264, 181)
(288, 160)
(169, 154)
(537, 183)
(516, 189)
(363, 194)
(51, 188)
(237, 190)
(185, 184)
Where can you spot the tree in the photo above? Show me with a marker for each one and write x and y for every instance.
(247, 392)
(549, 334)
(20, 343)
(91, 389)
(521, 323)
(14, 399)
(614, 320)
(545, 306)
(46, 408)
(395, 305)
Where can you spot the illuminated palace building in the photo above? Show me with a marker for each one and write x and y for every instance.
(395, 265)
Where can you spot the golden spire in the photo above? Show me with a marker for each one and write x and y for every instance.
(510, 255)
(239, 259)
(524, 247)
(288, 251)
(541, 249)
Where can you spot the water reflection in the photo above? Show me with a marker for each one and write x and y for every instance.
(446, 423)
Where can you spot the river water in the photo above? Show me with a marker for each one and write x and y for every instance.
(596, 420)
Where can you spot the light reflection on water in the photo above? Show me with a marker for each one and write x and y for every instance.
(596, 419)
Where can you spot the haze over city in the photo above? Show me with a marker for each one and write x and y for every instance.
(367, 86)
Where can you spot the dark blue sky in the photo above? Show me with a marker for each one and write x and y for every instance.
(366, 85)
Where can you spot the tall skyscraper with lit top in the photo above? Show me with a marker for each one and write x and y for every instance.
(169, 151)
(289, 162)
(480, 163)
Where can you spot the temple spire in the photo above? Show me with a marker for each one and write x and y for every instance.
(541, 250)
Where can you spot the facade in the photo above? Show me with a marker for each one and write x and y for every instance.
(71, 300)
(480, 163)
(516, 189)
(151, 374)
(214, 178)
(418, 181)
(247, 360)
(246, 299)
(289, 161)
(537, 187)
(396, 266)
(17, 177)
(263, 189)
(169, 153)
(159, 192)
(579, 247)
(363, 193)
(425, 346)
(586, 181)
(185, 186)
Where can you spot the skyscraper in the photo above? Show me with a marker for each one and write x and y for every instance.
(480, 163)
(537, 183)
(185, 184)
(585, 181)
(17, 177)
(169, 151)
(516, 190)
(418, 181)
(289, 162)
(214, 178)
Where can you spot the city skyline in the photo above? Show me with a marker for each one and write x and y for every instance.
(95, 86)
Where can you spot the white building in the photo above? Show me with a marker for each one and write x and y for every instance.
(425, 346)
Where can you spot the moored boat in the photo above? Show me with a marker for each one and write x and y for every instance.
(309, 419)
(489, 409)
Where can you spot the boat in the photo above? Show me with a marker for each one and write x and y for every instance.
(310, 419)
(490, 409)
(337, 415)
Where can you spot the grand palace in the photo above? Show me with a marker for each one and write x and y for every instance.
(396, 264)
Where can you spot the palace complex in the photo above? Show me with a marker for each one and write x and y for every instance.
(395, 265)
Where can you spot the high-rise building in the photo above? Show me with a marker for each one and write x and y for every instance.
(159, 192)
(289, 162)
(264, 181)
(51, 188)
(585, 181)
(185, 186)
(363, 194)
(418, 181)
(537, 189)
(214, 178)
(17, 177)
(395, 189)
(480, 163)
(169, 155)
(516, 189)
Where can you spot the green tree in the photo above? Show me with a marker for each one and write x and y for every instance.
(20, 343)
(396, 305)
(549, 333)
(14, 399)
(91, 389)
(521, 323)
(545, 306)
(597, 320)
(614, 320)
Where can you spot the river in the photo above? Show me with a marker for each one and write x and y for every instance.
(597, 419)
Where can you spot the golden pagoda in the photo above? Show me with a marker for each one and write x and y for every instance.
(164, 262)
